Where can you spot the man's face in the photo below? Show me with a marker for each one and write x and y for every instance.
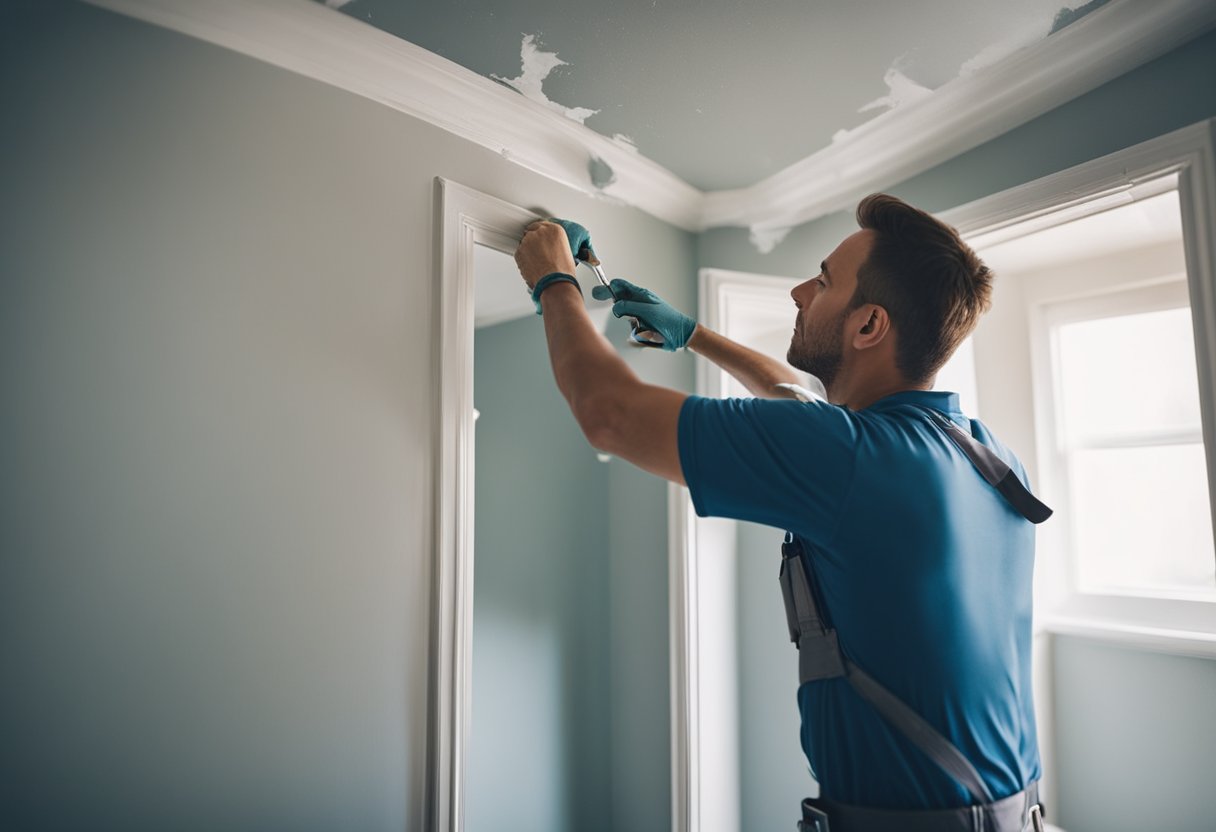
(817, 346)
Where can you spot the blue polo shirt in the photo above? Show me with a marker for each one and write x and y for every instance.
(923, 568)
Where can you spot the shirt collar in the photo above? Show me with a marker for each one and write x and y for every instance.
(937, 399)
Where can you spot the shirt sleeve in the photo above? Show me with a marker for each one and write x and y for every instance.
(779, 462)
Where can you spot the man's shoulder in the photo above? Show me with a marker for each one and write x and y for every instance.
(789, 418)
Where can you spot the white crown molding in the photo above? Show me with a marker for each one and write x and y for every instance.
(963, 114)
(309, 39)
(320, 43)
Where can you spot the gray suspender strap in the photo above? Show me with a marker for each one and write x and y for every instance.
(992, 468)
(819, 654)
(820, 657)
(923, 735)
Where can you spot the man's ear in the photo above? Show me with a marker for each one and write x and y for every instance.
(871, 325)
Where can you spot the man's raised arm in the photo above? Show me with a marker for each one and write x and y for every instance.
(617, 411)
(759, 373)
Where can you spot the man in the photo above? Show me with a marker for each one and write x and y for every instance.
(915, 692)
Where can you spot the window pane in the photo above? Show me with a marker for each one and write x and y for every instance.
(1141, 520)
(1105, 368)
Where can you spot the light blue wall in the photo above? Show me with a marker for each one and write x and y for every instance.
(571, 612)
(539, 749)
(1138, 739)
(1110, 755)
(571, 704)
(774, 772)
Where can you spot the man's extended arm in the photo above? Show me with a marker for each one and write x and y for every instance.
(618, 413)
(759, 373)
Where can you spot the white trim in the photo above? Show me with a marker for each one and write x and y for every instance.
(682, 633)
(320, 43)
(1157, 639)
(464, 217)
(1118, 178)
(720, 292)
(1197, 196)
(309, 39)
(965, 113)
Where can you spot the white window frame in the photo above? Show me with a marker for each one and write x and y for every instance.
(1161, 294)
(1183, 158)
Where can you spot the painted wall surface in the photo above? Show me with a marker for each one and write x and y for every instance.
(1134, 723)
(539, 741)
(1169, 93)
(775, 774)
(216, 347)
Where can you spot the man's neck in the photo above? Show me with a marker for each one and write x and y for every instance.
(858, 394)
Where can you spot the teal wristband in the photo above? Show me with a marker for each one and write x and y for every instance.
(547, 281)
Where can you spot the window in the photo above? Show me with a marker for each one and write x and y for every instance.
(1092, 366)
(1129, 444)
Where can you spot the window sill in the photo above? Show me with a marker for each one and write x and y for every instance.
(1158, 639)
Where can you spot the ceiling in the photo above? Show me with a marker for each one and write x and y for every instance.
(720, 92)
(1126, 227)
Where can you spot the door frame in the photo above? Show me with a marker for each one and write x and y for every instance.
(464, 217)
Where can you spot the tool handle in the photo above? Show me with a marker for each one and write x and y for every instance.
(653, 338)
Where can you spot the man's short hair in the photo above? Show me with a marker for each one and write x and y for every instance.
(931, 283)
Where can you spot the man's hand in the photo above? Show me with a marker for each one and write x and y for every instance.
(652, 312)
(544, 249)
(616, 411)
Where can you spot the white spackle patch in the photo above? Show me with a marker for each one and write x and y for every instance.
(986, 57)
(998, 51)
(901, 90)
(536, 68)
(766, 239)
(626, 142)
(337, 4)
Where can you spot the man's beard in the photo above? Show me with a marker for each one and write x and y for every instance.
(821, 351)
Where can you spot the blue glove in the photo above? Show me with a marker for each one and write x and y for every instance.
(579, 238)
(652, 312)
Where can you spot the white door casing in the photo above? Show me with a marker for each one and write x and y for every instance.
(463, 218)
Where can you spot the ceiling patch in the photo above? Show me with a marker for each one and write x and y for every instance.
(901, 90)
(536, 68)
(766, 237)
(602, 174)
(990, 55)
(626, 142)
